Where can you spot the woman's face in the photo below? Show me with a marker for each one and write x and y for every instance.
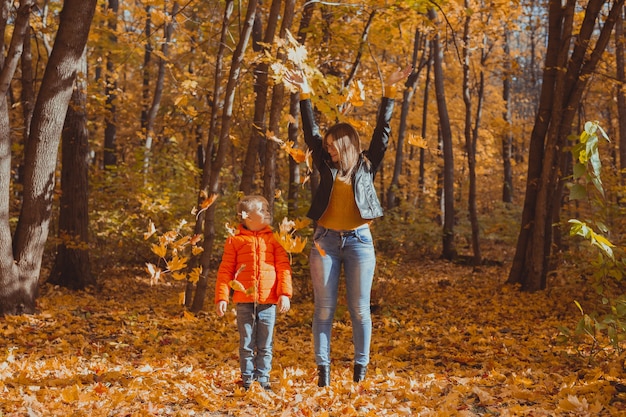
(332, 149)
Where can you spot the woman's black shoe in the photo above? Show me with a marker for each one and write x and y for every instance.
(323, 375)
(359, 372)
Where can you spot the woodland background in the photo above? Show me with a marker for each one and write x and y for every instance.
(129, 130)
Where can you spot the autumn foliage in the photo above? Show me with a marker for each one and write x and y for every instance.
(448, 341)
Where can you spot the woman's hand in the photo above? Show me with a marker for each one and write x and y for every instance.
(297, 79)
(399, 75)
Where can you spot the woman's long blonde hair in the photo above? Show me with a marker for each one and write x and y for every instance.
(346, 140)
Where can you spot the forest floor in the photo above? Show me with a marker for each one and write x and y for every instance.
(448, 340)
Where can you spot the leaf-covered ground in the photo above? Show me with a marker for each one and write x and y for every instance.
(448, 341)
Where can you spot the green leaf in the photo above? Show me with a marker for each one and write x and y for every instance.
(577, 192)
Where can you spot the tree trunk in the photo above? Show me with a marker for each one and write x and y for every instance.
(565, 77)
(19, 273)
(147, 59)
(422, 157)
(72, 268)
(160, 85)
(278, 94)
(256, 148)
(208, 152)
(294, 126)
(507, 136)
(110, 120)
(470, 138)
(621, 92)
(448, 250)
(407, 96)
(218, 162)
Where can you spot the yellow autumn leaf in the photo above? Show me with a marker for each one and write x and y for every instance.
(189, 316)
(301, 223)
(180, 243)
(181, 100)
(237, 286)
(176, 263)
(195, 250)
(70, 394)
(194, 275)
(417, 140)
(181, 298)
(179, 276)
(319, 249)
(159, 250)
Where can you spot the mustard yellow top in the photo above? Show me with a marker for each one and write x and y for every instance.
(342, 212)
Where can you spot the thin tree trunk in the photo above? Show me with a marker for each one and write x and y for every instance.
(147, 59)
(208, 152)
(422, 161)
(470, 145)
(72, 267)
(294, 126)
(278, 94)
(110, 120)
(448, 249)
(621, 92)
(160, 85)
(256, 148)
(507, 137)
(407, 96)
(218, 162)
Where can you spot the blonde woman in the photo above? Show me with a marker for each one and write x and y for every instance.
(343, 207)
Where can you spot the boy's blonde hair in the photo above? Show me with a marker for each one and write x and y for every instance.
(250, 203)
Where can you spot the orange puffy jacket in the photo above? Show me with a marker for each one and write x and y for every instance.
(264, 265)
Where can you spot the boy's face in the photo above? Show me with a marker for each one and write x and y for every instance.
(257, 218)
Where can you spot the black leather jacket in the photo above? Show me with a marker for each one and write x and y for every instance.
(363, 177)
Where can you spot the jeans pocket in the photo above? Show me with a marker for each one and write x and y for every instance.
(365, 236)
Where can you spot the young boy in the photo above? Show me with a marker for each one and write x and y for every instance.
(257, 268)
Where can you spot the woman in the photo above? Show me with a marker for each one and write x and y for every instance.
(343, 207)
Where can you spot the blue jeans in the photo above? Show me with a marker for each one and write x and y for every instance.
(354, 250)
(256, 330)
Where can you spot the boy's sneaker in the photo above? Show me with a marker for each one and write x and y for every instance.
(266, 386)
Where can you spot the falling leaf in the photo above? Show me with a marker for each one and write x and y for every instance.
(159, 250)
(179, 276)
(319, 249)
(176, 263)
(237, 286)
(417, 140)
(150, 232)
(194, 275)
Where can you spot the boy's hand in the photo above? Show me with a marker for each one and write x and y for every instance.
(283, 304)
(220, 308)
